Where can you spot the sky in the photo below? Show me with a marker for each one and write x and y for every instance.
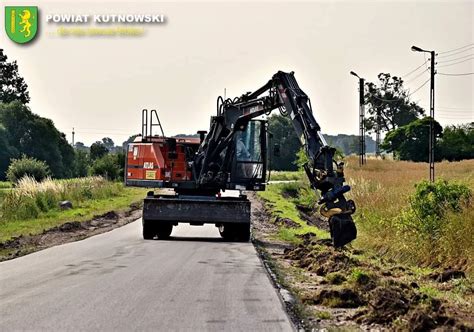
(99, 85)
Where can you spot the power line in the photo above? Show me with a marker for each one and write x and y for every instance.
(414, 78)
(452, 64)
(463, 57)
(419, 87)
(403, 96)
(455, 49)
(451, 74)
(415, 69)
(456, 53)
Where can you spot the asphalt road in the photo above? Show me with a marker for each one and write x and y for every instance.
(117, 281)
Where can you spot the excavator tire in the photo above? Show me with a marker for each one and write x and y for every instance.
(343, 229)
(163, 230)
(243, 232)
(148, 230)
(235, 232)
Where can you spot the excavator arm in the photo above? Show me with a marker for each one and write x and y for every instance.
(324, 173)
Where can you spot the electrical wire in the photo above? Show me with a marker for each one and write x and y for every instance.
(410, 72)
(452, 64)
(455, 74)
(419, 87)
(450, 55)
(403, 96)
(455, 49)
(451, 60)
(414, 78)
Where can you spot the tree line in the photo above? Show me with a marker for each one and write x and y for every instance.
(403, 121)
(33, 141)
(24, 134)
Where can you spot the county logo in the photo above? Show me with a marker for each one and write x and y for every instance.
(21, 23)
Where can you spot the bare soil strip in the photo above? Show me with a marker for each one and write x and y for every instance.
(348, 289)
(68, 232)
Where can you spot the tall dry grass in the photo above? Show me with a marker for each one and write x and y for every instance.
(382, 189)
(29, 199)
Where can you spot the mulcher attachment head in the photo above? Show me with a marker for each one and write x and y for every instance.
(343, 229)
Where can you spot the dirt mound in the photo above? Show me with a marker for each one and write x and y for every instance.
(287, 222)
(385, 304)
(108, 215)
(70, 226)
(319, 257)
(334, 298)
(312, 217)
(290, 192)
(447, 275)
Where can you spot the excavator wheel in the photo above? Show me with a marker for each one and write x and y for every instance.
(343, 229)
(163, 230)
(237, 232)
(148, 230)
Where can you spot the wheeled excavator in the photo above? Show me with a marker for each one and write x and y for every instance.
(233, 155)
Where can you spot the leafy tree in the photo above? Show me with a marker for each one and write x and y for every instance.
(98, 150)
(12, 85)
(411, 142)
(81, 163)
(107, 166)
(457, 143)
(6, 152)
(389, 102)
(36, 137)
(80, 146)
(27, 167)
(108, 143)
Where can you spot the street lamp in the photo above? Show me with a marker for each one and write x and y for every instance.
(354, 74)
(431, 146)
(362, 160)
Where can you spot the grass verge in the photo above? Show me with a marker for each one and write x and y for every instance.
(278, 200)
(83, 209)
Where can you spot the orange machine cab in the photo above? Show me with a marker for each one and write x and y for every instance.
(154, 160)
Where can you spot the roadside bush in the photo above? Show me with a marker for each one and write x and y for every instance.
(107, 166)
(26, 166)
(30, 198)
(431, 202)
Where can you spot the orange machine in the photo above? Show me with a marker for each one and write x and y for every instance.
(153, 161)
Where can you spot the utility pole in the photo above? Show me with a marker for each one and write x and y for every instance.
(377, 135)
(73, 136)
(432, 115)
(432, 136)
(362, 158)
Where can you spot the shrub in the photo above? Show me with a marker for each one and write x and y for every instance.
(431, 201)
(108, 166)
(26, 166)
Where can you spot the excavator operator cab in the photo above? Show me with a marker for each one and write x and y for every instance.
(249, 162)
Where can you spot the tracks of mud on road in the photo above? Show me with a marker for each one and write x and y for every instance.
(68, 232)
(347, 289)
